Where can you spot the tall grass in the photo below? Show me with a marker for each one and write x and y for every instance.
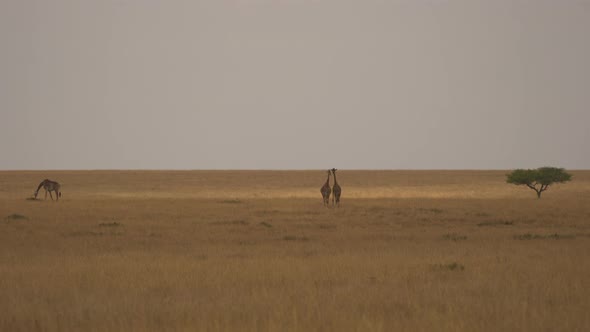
(257, 251)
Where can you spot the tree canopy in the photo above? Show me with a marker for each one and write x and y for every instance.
(538, 179)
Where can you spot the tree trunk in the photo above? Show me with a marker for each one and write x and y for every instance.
(539, 193)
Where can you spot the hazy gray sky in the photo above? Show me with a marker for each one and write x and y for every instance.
(269, 84)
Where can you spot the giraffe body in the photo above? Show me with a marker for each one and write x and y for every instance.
(49, 186)
(336, 190)
(325, 190)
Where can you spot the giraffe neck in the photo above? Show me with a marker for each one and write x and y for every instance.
(335, 182)
(328, 180)
(41, 185)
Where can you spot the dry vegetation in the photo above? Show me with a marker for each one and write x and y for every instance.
(256, 251)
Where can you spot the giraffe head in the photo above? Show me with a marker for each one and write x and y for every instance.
(334, 170)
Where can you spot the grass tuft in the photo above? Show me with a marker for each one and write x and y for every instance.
(16, 216)
(91, 233)
(555, 236)
(230, 222)
(454, 266)
(327, 226)
(295, 238)
(231, 201)
(110, 224)
(496, 223)
(454, 237)
(431, 210)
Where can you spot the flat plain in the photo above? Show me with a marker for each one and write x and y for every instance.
(257, 251)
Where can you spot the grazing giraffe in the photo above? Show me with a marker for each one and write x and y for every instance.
(49, 186)
(336, 190)
(325, 190)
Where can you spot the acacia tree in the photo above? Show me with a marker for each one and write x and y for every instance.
(538, 179)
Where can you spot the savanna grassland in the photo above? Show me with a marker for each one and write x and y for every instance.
(257, 251)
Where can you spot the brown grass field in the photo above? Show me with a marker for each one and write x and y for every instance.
(257, 251)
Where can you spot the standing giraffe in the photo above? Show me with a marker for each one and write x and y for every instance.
(325, 190)
(49, 186)
(336, 190)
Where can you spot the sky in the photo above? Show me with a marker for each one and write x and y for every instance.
(294, 84)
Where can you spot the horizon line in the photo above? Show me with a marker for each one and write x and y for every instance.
(262, 169)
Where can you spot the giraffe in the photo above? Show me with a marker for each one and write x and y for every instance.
(325, 190)
(49, 186)
(336, 190)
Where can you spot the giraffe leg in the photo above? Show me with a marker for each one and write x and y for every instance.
(45, 194)
(50, 195)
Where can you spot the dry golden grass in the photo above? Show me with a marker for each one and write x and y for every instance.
(257, 251)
